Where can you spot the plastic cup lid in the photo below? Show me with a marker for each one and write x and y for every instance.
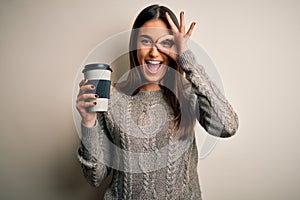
(96, 66)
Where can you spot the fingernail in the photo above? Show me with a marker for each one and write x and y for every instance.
(95, 103)
(96, 95)
(92, 87)
(183, 12)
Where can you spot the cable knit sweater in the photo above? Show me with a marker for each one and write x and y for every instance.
(134, 140)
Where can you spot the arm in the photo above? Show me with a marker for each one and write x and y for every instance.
(90, 153)
(215, 113)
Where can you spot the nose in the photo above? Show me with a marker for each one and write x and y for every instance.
(153, 51)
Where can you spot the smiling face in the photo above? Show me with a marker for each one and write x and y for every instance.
(153, 63)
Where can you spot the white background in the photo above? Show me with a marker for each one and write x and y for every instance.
(254, 44)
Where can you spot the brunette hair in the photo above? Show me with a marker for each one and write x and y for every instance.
(173, 83)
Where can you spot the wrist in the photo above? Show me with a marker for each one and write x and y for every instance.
(182, 49)
(89, 123)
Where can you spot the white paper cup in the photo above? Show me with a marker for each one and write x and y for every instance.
(98, 74)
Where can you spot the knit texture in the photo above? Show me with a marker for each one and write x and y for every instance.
(134, 140)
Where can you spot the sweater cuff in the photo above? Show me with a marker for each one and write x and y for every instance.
(90, 137)
(186, 60)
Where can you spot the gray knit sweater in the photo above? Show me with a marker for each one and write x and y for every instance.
(133, 139)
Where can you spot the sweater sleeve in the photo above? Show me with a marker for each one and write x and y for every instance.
(214, 112)
(90, 153)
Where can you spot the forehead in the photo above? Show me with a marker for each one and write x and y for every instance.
(154, 28)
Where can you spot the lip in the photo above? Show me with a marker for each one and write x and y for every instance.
(153, 66)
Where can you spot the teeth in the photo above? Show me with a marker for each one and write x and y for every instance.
(153, 62)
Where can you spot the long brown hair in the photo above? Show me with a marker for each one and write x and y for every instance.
(173, 83)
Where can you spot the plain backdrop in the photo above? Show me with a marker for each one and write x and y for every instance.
(255, 45)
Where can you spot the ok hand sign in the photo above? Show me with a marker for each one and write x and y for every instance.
(179, 37)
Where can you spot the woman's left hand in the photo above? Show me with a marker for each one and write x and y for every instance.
(179, 37)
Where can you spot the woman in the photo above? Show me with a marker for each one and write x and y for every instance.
(146, 138)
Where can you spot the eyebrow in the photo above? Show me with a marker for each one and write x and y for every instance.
(146, 36)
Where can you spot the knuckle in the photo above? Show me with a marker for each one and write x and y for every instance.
(81, 91)
(88, 96)
(78, 107)
(86, 104)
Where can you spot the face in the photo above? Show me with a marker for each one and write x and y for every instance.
(153, 63)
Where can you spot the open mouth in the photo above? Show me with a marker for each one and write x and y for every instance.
(153, 66)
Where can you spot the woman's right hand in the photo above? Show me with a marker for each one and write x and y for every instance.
(88, 118)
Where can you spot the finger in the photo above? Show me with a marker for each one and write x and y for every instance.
(166, 49)
(86, 104)
(172, 52)
(83, 105)
(111, 89)
(165, 37)
(190, 31)
(171, 23)
(83, 89)
(83, 82)
(182, 24)
(85, 97)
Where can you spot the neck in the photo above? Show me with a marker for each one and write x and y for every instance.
(150, 87)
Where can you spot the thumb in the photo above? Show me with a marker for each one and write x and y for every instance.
(172, 52)
(111, 89)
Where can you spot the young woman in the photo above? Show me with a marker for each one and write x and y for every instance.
(146, 138)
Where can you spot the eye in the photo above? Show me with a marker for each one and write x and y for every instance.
(146, 42)
(167, 43)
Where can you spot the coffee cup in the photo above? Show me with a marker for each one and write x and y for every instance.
(98, 74)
